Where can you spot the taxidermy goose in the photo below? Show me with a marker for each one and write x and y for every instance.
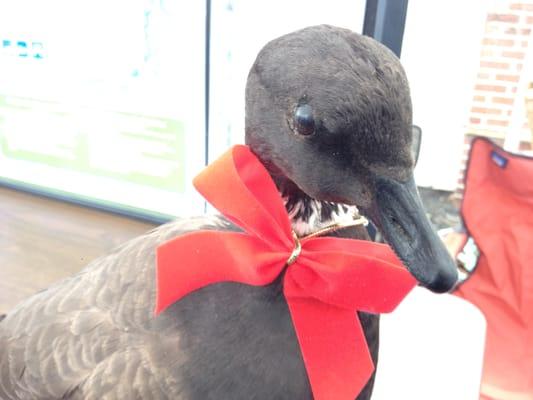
(328, 113)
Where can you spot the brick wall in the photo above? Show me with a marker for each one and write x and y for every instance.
(504, 50)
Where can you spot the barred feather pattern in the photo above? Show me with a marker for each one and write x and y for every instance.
(85, 335)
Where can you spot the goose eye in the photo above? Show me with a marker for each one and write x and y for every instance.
(304, 122)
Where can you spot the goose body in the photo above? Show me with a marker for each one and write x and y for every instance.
(94, 335)
(328, 114)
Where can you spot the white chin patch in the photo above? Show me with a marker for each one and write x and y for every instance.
(315, 222)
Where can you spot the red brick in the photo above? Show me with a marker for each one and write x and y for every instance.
(522, 6)
(490, 88)
(479, 98)
(508, 78)
(497, 122)
(529, 20)
(503, 17)
(525, 146)
(503, 100)
(498, 42)
(519, 55)
(525, 31)
(475, 120)
(483, 110)
(494, 64)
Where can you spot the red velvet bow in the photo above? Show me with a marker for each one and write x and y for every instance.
(330, 280)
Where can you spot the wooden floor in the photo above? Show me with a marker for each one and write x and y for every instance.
(43, 240)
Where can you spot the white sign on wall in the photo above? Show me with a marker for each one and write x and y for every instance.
(104, 99)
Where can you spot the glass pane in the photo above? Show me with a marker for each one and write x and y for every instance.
(104, 99)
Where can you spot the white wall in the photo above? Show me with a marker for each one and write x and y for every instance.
(441, 49)
(431, 347)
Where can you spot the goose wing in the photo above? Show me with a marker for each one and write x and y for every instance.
(93, 335)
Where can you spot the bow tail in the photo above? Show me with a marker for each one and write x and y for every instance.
(333, 346)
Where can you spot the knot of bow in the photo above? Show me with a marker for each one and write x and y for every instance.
(324, 285)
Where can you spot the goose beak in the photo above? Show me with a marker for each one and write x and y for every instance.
(399, 214)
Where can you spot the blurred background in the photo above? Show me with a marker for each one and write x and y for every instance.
(108, 108)
(119, 103)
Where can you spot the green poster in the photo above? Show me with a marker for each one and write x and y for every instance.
(126, 147)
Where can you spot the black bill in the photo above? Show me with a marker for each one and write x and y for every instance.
(399, 215)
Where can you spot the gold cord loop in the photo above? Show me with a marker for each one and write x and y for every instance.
(296, 251)
(360, 220)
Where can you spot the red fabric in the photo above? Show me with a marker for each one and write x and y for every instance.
(498, 212)
(330, 280)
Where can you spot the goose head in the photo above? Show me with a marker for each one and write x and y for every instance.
(328, 112)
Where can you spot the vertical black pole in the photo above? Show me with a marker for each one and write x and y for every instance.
(385, 22)
(207, 74)
(370, 17)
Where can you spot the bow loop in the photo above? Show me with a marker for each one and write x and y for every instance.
(337, 271)
(228, 257)
(246, 195)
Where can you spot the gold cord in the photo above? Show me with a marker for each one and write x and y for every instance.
(296, 251)
(360, 220)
